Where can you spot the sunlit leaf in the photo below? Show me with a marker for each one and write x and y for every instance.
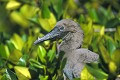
(15, 56)
(28, 46)
(88, 32)
(97, 73)
(112, 67)
(117, 34)
(12, 4)
(28, 11)
(85, 75)
(41, 53)
(102, 31)
(48, 24)
(116, 57)
(22, 73)
(19, 19)
(104, 53)
(17, 41)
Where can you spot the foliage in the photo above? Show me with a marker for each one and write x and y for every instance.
(22, 21)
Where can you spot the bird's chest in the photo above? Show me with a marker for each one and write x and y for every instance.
(71, 57)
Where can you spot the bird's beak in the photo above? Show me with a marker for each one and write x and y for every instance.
(52, 35)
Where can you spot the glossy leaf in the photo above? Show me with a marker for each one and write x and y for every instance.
(112, 67)
(104, 53)
(4, 51)
(45, 11)
(18, 18)
(48, 24)
(15, 56)
(11, 74)
(116, 57)
(58, 7)
(94, 15)
(23, 60)
(28, 11)
(22, 73)
(85, 75)
(10, 46)
(43, 77)
(51, 55)
(35, 63)
(97, 73)
(41, 53)
(110, 44)
(12, 4)
(17, 41)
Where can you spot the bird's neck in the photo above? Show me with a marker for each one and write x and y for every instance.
(71, 41)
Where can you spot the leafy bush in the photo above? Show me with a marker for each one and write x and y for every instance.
(21, 22)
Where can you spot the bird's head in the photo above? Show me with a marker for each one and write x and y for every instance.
(61, 29)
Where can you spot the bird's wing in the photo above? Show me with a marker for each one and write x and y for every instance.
(86, 56)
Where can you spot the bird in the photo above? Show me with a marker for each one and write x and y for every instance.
(72, 36)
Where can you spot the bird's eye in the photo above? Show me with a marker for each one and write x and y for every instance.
(61, 28)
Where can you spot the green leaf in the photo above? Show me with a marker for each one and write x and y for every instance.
(63, 63)
(117, 35)
(22, 73)
(88, 30)
(116, 57)
(17, 41)
(12, 5)
(35, 63)
(112, 67)
(11, 74)
(45, 11)
(18, 18)
(58, 7)
(97, 73)
(110, 44)
(113, 23)
(5, 77)
(41, 53)
(93, 15)
(48, 24)
(4, 51)
(23, 60)
(2, 63)
(15, 56)
(10, 46)
(51, 55)
(85, 75)
(43, 77)
(28, 45)
(104, 53)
